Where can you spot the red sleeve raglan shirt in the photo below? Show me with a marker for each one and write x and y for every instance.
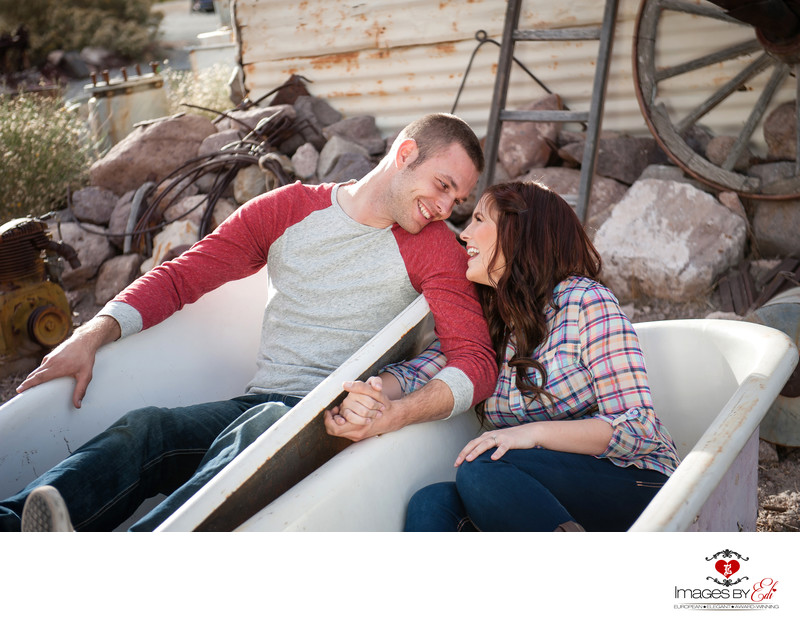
(336, 283)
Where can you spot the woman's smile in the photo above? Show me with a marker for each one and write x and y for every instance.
(480, 237)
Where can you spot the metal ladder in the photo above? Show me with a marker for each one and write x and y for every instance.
(593, 118)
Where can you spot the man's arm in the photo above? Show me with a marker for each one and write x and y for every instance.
(75, 356)
(229, 253)
(238, 248)
(437, 267)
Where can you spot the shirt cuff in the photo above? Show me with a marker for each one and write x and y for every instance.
(461, 386)
(128, 318)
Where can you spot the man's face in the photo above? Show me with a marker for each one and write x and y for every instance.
(429, 192)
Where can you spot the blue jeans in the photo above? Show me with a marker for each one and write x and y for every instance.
(147, 452)
(535, 490)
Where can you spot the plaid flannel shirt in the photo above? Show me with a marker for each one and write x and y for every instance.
(595, 369)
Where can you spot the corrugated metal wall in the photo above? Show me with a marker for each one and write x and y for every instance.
(397, 60)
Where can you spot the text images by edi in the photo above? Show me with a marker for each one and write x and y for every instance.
(735, 590)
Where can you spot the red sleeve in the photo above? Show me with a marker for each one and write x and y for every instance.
(236, 249)
(437, 267)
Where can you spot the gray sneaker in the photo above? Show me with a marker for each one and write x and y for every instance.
(45, 511)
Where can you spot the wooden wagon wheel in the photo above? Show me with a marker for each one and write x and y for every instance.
(692, 60)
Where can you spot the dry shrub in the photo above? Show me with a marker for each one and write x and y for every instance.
(44, 151)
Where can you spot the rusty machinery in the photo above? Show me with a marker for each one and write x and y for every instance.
(34, 311)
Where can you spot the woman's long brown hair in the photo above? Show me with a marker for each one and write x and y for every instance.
(543, 243)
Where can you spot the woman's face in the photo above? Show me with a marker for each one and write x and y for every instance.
(481, 239)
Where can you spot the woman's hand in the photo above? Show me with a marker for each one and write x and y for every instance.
(587, 436)
(365, 403)
(502, 440)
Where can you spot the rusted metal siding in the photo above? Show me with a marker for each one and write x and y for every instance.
(397, 60)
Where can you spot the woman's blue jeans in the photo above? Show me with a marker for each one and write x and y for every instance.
(151, 451)
(535, 490)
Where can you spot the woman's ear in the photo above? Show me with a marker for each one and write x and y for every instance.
(407, 152)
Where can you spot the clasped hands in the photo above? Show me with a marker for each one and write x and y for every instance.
(363, 413)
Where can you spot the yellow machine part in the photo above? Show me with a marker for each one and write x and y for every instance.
(31, 316)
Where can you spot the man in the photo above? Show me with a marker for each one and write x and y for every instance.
(374, 245)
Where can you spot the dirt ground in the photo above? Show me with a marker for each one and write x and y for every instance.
(778, 468)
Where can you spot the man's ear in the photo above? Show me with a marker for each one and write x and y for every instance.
(407, 152)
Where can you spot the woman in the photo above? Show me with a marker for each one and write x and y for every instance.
(572, 440)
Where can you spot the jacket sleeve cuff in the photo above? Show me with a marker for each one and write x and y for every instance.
(461, 386)
(128, 318)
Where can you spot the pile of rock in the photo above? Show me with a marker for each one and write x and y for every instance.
(317, 144)
(660, 233)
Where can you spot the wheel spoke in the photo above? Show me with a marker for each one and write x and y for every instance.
(732, 52)
(758, 65)
(694, 9)
(755, 65)
(778, 76)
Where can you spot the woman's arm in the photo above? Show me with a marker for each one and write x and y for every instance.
(589, 436)
(611, 351)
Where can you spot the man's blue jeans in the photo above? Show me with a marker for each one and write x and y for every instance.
(535, 490)
(150, 451)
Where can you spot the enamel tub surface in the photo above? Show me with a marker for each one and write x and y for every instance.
(712, 383)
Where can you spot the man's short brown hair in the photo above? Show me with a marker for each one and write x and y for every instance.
(436, 132)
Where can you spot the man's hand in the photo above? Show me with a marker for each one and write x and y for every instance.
(365, 401)
(364, 404)
(75, 357)
(373, 409)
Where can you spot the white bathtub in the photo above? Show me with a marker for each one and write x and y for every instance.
(712, 382)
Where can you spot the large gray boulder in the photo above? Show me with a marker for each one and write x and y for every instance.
(150, 152)
(350, 166)
(668, 240)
